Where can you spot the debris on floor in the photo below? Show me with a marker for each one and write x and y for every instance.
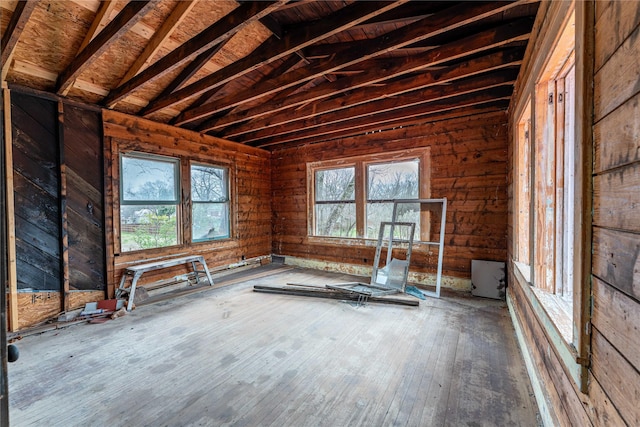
(412, 290)
(324, 292)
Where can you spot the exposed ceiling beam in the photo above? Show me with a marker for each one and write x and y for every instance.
(491, 62)
(478, 42)
(222, 30)
(18, 21)
(191, 69)
(439, 23)
(273, 49)
(394, 104)
(396, 117)
(462, 111)
(404, 14)
(127, 18)
(99, 22)
(179, 12)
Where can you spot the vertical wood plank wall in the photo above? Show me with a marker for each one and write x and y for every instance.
(251, 194)
(37, 167)
(468, 167)
(614, 371)
(36, 185)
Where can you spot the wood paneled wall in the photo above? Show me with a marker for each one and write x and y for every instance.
(36, 181)
(614, 366)
(468, 167)
(250, 193)
(57, 209)
(84, 198)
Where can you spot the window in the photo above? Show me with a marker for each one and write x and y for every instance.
(386, 182)
(523, 186)
(335, 203)
(545, 184)
(210, 202)
(149, 200)
(350, 198)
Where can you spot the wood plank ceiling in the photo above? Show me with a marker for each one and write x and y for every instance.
(271, 74)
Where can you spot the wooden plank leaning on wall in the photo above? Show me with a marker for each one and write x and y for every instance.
(11, 225)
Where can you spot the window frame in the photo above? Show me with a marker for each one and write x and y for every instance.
(177, 202)
(227, 179)
(360, 164)
(574, 354)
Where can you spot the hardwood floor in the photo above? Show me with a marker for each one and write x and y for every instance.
(230, 356)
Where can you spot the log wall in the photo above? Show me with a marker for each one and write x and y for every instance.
(250, 195)
(468, 167)
(613, 375)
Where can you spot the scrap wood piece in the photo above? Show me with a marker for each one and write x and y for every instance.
(317, 292)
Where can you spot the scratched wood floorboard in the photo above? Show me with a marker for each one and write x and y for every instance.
(232, 357)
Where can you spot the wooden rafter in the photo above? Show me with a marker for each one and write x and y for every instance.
(19, 19)
(472, 108)
(395, 105)
(99, 22)
(274, 49)
(439, 23)
(491, 62)
(178, 13)
(191, 69)
(127, 18)
(213, 35)
(386, 119)
(483, 41)
(479, 42)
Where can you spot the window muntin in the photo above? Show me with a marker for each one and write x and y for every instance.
(545, 185)
(335, 202)
(149, 200)
(349, 197)
(386, 182)
(523, 186)
(210, 202)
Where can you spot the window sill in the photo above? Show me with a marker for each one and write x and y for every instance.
(559, 310)
(545, 307)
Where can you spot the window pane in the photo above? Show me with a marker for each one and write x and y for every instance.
(208, 184)
(210, 221)
(146, 179)
(393, 181)
(335, 184)
(146, 227)
(377, 213)
(336, 219)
